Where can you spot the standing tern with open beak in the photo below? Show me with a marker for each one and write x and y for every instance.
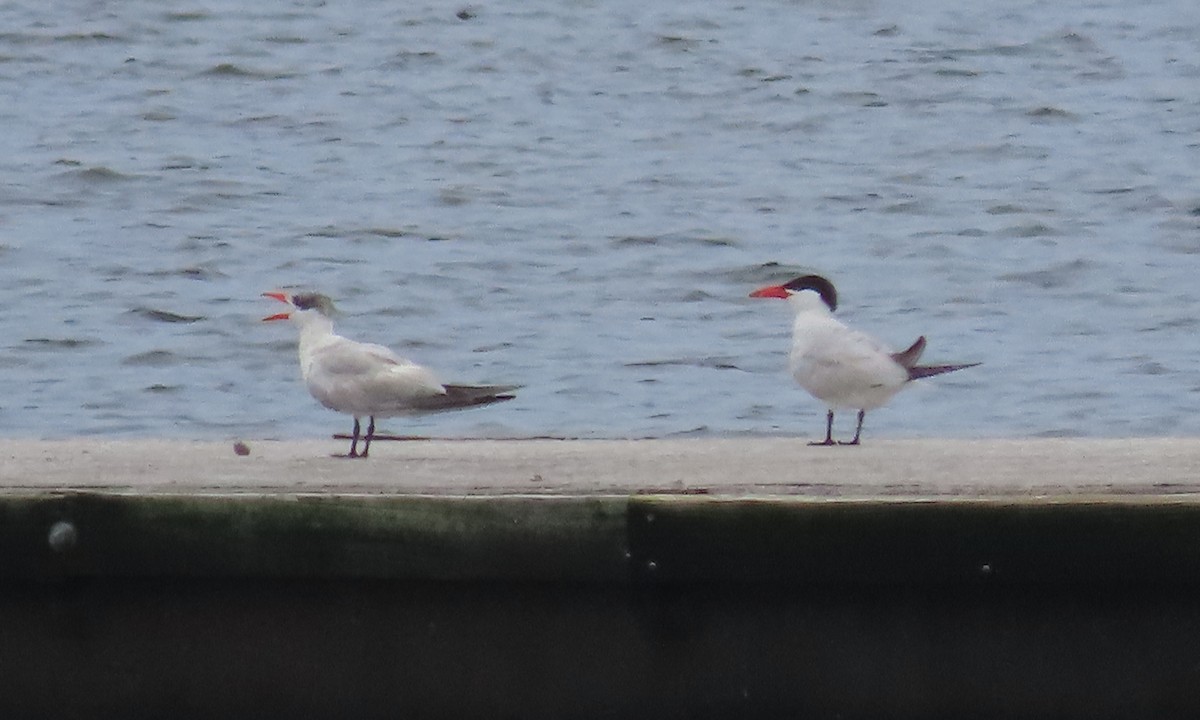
(844, 368)
(367, 380)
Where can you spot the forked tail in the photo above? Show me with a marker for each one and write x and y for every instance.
(909, 357)
(923, 371)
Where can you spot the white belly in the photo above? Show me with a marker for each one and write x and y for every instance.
(845, 369)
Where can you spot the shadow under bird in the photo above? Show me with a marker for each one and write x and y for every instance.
(840, 366)
(366, 380)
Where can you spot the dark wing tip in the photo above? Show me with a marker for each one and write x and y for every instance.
(469, 395)
(923, 371)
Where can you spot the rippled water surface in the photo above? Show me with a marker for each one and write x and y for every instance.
(578, 197)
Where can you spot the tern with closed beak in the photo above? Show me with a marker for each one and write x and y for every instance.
(365, 380)
(844, 368)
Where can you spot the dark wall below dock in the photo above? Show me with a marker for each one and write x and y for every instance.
(380, 648)
(605, 606)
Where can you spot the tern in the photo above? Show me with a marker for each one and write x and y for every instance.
(840, 366)
(366, 380)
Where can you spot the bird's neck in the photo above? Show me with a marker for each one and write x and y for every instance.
(314, 330)
(810, 316)
(811, 326)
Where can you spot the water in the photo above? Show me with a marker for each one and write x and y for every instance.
(578, 196)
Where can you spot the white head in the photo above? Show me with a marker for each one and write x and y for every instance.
(806, 293)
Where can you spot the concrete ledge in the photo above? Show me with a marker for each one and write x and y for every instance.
(634, 579)
(755, 467)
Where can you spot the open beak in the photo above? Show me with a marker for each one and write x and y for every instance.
(281, 297)
(771, 291)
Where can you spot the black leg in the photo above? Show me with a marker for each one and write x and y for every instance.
(857, 431)
(828, 431)
(354, 441)
(370, 434)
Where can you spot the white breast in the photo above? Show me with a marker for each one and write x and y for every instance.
(844, 368)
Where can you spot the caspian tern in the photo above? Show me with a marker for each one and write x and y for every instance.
(842, 367)
(361, 379)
